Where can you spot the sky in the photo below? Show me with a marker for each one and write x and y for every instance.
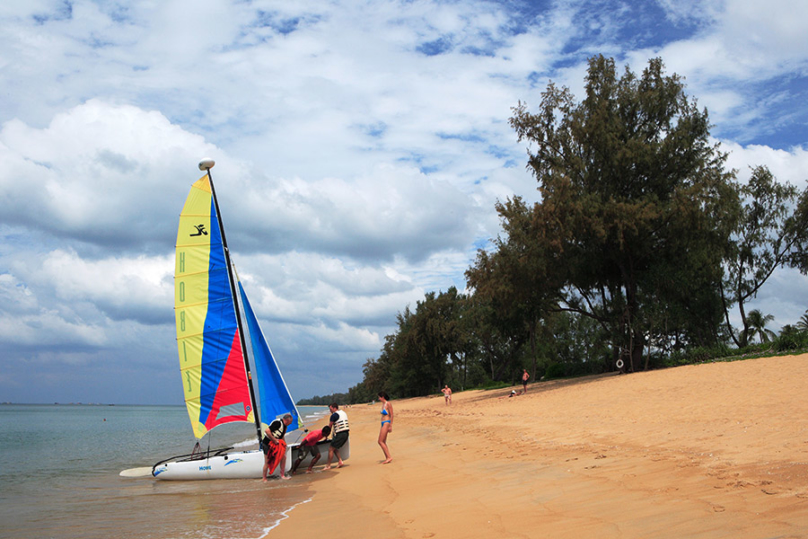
(360, 148)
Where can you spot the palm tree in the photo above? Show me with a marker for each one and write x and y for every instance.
(802, 325)
(757, 325)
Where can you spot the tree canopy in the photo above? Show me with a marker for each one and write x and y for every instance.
(638, 248)
(634, 199)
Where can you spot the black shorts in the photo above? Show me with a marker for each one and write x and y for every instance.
(339, 439)
(313, 450)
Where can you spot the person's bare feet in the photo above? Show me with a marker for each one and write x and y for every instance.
(285, 477)
(388, 461)
(327, 467)
(340, 464)
(309, 470)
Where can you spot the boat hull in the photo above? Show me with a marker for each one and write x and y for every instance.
(235, 465)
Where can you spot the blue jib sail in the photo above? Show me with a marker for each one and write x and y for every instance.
(274, 397)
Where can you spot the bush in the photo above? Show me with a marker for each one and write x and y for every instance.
(554, 370)
(791, 340)
(492, 384)
(571, 369)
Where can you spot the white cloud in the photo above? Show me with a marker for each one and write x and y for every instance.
(98, 173)
(38, 326)
(786, 165)
(360, 148)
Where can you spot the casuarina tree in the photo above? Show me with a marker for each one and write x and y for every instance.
(636, 195)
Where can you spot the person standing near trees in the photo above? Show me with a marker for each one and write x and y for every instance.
(525, 378)
(387, 425)
(447, 394)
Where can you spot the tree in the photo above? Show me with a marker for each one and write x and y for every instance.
(802, 325)
(757, 326)
(518, 280)
(497, 345)
(632, 187)
(415, 360)
(765, 238)
(798, 227)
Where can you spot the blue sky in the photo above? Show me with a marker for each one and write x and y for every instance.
(360, 149)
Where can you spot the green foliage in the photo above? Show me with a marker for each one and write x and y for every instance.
(639, 247)
(791, 338)
(802, 324)
(554, 370)
(519, 282)
(573, 369)
(798, 228)
(325, 400)
(756, 326)
(490, 384)
(635, 202)
(788, 342)
(430, 348)
(765, 237)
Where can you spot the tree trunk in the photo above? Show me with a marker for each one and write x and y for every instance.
(636, 355)
(533, 348)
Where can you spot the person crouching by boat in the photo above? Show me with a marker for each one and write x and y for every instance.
(387, 425)
(275, 446)
(339, 426)
(308, 445)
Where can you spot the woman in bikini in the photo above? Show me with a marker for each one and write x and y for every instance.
(387, 425)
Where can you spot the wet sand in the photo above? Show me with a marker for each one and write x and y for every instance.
(706, 451)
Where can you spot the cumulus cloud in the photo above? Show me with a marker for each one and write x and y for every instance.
(360, 148)
(98, 174)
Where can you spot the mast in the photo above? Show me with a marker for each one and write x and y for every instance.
(205, 165)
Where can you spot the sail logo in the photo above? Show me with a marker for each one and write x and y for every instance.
(234, 461)
(200, 231)
(204, 468)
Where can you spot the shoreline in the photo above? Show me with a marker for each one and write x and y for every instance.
(711, 450)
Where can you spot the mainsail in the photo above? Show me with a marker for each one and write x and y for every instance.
(208, 340)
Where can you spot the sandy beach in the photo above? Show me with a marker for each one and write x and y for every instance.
(707, 451)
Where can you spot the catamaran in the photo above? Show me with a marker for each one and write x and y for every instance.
(224, 358)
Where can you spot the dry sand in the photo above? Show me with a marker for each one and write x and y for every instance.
(707, 451)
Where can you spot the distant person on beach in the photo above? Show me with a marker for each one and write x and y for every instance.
(512, 394)
(387, 425)
(338, 423)
(525, 378)
(447, 394)
(308, 445)
(275, 446)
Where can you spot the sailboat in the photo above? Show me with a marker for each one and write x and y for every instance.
(218, 340)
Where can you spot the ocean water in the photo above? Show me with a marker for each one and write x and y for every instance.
(60, 476)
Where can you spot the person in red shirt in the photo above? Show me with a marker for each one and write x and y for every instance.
(308, 445)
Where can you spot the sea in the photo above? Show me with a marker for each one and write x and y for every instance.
(60, 469)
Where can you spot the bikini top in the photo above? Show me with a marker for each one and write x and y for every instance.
(384, 411)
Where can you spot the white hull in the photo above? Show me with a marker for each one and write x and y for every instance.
(236, 465)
